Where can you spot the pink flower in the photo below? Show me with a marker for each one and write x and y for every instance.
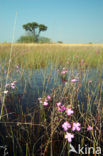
(45, 103)
(14, 82)
(17, 67)
(61, 108)
(74, 80)
(66, 126)
(69, 136)
(59, 104)
(48, 97)
(76, 126)
(13, 86)
(89, 128)
(69, 111)
(7, 85)
(63, 72)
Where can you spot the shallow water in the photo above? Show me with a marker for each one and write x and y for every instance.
(32, 84)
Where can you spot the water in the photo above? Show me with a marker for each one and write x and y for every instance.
(32, 84)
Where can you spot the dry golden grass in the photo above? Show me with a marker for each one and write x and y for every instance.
(34, 55)
(56, 44)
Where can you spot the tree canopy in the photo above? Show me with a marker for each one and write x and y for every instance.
(35, 29)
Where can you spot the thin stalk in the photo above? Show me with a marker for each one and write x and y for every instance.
(11, 50)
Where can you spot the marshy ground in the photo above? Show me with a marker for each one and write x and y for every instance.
(51, 96)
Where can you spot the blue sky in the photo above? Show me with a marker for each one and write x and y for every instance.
(70, 21)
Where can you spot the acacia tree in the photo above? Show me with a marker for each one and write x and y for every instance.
(42, 28)
(35, 29)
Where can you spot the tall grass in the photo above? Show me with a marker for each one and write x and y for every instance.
(35, 55)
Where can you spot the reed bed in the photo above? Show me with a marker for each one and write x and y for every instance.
(51, 98)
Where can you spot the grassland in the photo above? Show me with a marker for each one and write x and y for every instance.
(35, 126)
(39, 54)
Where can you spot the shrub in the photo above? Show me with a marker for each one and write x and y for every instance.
(59, 42)
(44, 40)
(27, 39)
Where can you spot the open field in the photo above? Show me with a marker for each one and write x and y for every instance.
(56, 44)
(51, 96)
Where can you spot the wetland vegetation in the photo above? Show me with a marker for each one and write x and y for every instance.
(51, 96)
